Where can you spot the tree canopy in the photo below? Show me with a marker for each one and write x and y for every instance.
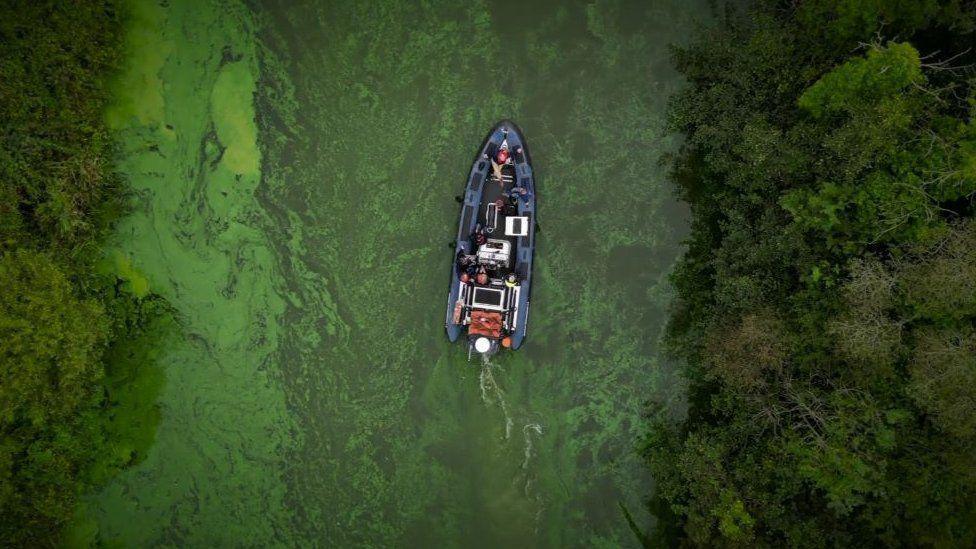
(825, 304)
(74, 408)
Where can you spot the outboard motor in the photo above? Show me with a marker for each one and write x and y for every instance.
(484, 346)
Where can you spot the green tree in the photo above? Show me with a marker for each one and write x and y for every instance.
(943, 379)
(56, 179)
(824, 303)
(863, 82)
(49, 392)
(65, 425)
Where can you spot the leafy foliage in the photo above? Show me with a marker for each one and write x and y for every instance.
(825, 302)
(863, 82)
(54, 160)
(50, 369)
(67, 394)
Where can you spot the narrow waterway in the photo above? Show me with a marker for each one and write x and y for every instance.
(294, 166)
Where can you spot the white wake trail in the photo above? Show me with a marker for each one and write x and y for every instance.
(492, 393)
(490, 387)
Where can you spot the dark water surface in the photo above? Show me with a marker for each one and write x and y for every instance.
(295, 165)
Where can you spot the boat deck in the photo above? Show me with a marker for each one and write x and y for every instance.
(491, 192)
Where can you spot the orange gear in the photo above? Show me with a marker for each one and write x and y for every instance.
(486, 323)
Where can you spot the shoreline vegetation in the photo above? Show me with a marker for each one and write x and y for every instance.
(825, 304)
(77, 379)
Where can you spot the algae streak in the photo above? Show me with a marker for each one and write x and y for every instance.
(185, 122)
(305, 256)
(370, 114)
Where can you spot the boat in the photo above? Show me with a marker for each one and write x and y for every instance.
(491, 277)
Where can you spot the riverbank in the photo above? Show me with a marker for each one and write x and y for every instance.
(825, 304)
(78, 385)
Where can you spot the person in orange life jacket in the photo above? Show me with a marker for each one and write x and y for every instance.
(482, 276)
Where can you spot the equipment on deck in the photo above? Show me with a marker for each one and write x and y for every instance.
(491, 308)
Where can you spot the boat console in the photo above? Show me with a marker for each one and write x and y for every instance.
(495, 254)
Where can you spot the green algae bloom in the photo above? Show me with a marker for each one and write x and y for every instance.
(292, 171)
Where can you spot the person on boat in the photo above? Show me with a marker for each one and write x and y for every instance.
(467, 267)
(501, 158)
(478, 237)
(511, 206)
(465, 262)
(511, 280)
(520, 193)
(482, 276)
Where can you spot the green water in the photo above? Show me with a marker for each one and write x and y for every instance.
(294, 166)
